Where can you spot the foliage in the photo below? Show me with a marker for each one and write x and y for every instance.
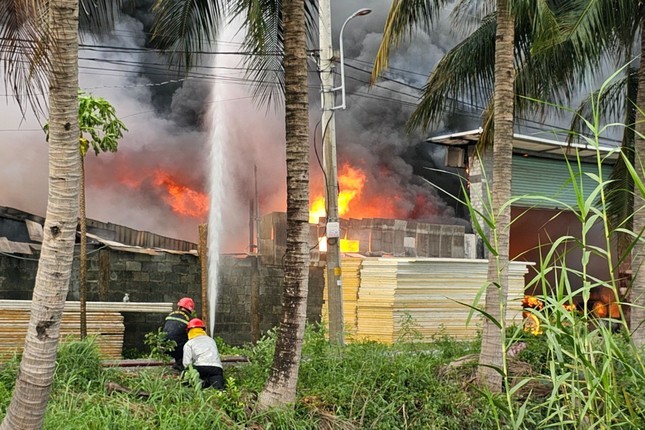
(159, 344)
(8, 374)
(584, 375)
(99, 126)
(364, 385)
(78, 364)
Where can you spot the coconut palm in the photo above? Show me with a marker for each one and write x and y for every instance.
(33, 385)
(276, 34)
(564, 34)
(405, 15)
(281, 386)
(100, 130)
(613, 28)
(39, 50)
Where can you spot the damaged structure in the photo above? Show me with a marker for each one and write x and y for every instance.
(150, 269)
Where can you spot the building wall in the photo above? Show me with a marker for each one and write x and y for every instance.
(375, 236)
(17, 276)
(166, 278)
(250, 296)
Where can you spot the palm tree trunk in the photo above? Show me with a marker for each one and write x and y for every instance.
(637, 312)
(82, 258)
(281, 386)
(29, 402)
(492, 349)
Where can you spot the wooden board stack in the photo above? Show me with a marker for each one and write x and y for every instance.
(106, 326)
(427, 291)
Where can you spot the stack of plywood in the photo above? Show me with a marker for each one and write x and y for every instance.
(428, 291)
(351, 281)
(106, 326)
(104, 321)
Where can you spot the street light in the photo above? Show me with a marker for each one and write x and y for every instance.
(333, 270)
(360, 12)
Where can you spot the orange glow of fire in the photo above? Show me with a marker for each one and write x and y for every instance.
(346, 245)
(351, 181)
(182, 199)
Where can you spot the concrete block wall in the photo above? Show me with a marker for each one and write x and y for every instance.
(17, 276)
(146, 278)
(166, 278)
(249, 300)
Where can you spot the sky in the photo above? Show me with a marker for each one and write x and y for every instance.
(171, 121)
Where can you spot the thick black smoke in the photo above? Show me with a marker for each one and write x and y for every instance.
(169, 120)
(371, 132)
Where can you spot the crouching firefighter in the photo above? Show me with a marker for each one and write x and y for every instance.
(175, 329)
(201, 352)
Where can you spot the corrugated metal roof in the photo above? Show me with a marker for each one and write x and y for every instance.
(136, 249)
(9, 247)
(23, 227)
(533, 145)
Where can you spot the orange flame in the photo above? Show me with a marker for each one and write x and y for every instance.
(182, 199)
(351, 181)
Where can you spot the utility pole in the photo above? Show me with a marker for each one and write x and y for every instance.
(334, 284)
(257, 211)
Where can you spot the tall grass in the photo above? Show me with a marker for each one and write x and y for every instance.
(594, 377)
(363, 386)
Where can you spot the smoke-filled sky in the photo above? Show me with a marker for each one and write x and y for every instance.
(169, 137)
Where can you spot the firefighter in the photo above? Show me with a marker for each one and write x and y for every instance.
(201, 352)
(175, 329)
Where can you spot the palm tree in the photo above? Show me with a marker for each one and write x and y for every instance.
(405, 15)
(101, 130)
(491, 357)
(34, 382)
(276, 33)
(613, 27)
(574, 35)
(39, 50)
(281, 386)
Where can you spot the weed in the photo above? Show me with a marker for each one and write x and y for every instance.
(159, 344)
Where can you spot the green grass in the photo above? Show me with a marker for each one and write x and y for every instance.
(366, 385)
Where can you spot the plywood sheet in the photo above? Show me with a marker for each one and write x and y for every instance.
(107, 327)
(427, 291)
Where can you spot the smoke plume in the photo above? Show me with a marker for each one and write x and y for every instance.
(169, 137)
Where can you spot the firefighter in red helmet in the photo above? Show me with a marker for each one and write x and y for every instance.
(175, 328)
(201, 352)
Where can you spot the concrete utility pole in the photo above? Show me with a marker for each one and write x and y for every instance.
(328, 125)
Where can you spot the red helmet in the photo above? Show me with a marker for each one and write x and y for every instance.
(195, 323)
(187, 303)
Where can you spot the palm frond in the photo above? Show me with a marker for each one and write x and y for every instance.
(603, 24)
(23, 51)
(99, 16)
(488, 127)
(468, 14)
(465, 74)
(547, 27)
(185, 28)
(262, 20)
(612, 104)
(404, 18)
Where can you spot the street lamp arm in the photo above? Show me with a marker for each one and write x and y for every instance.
(343, 104)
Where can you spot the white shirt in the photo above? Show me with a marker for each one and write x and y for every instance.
(201, 351)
